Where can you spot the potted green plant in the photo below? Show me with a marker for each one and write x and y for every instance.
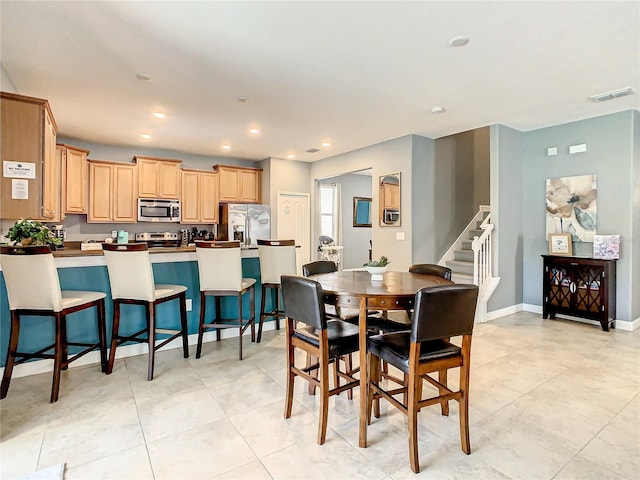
(31, 232)
(377, 267)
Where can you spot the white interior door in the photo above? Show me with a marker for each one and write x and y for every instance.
(294, 221)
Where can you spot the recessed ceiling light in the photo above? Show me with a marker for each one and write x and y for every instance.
(242, 99)
(458, 41)
(326, 144)
(254, 130)
(158, 114)
(226, 147)
(143, 77)
(291, 156)
(146, 136)
(437, 110)
(601, 97)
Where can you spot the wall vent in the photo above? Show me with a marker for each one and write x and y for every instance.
(313, 150)
(601, 97)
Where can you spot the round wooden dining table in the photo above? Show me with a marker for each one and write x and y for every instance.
(355, 289)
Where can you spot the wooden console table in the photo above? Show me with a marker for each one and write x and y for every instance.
(579, 286)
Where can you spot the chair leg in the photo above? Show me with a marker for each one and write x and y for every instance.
(252, 317)
(102, 336)
(277, 306)
(444, 405)
(218, 317)
(183, 324)
(310, 361)
(151, 315)
(114, 335)
(348, 361)
(240, 326)
(374, 368)
(262, 313)
(57, 357)
(336, 377)
(11, 353)
(203, 305)
(464, 400)
(412, 420)
(64, 343)
(324, 398)
(290, 375)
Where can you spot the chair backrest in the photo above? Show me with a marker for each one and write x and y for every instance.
(31, 278)
(320, 266)
(443, 311)
(130, 271)
(303, 301)
(431, 269)
(277, 257)
(219, 265)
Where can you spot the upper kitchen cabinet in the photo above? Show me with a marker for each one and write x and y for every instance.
(239, 184)
(112, 192)
(199, 196)
(75, 178)
(158, 177)
(30, 184)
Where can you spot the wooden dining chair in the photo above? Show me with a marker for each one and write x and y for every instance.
(309, 329)
(220, 273)
(132, 283)
(317, 268)
(33, 289)
(441, 312)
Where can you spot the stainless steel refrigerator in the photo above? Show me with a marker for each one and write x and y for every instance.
(247, 223)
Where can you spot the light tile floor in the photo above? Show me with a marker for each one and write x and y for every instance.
(552, 399)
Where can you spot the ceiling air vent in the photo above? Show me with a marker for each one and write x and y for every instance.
(601, 97)
(313, 150)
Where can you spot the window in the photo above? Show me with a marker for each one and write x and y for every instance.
(327, 210)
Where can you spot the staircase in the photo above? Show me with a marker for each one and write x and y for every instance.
(469, 259)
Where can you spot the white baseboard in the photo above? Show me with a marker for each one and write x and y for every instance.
(44, 366)
(527, 307)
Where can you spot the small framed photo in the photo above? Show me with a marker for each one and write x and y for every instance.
(606, 247)
(560, 244)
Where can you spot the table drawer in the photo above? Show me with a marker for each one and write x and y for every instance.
(375, 303)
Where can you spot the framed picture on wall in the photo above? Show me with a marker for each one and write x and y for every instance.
(560, 244)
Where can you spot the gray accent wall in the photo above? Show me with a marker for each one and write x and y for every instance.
(508, 215)
(611, 155)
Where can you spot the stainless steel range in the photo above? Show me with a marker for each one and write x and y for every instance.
(159, 239)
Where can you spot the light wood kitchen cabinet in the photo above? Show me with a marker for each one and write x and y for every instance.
(391, 195)
(239, 184)
(75, 178)
(28, 138)
(112, 192)
(158, 177)
(199, 196)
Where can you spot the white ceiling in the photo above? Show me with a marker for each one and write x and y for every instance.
(352, 73)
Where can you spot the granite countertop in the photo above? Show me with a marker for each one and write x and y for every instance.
(72, 249)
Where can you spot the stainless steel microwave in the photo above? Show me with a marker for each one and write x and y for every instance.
(158, 210)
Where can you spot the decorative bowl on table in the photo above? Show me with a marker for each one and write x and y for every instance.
(376, 272)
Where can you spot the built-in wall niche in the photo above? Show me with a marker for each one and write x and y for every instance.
(389, 191)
